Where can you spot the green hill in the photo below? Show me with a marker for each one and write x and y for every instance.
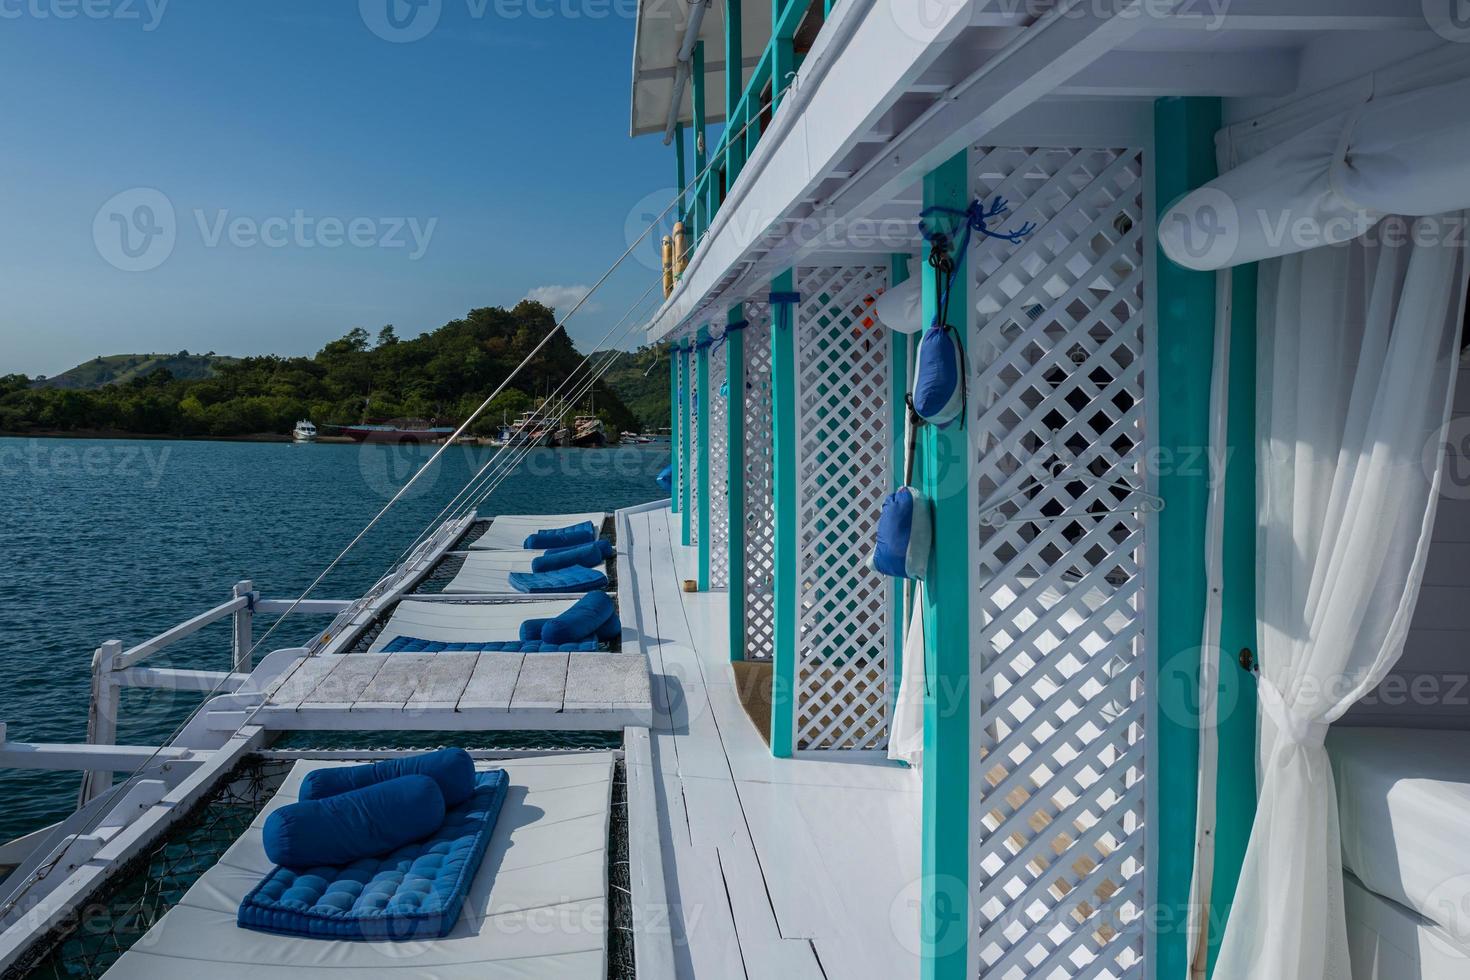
(441, 375)
(641, 379)
(121, 368)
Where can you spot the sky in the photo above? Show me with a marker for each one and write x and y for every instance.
(261, 176)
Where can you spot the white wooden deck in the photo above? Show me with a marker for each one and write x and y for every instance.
(461, 691)
(774, 868)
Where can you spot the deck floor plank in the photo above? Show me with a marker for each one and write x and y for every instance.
(347, 680)
(443, 681)
(542, 683)
(491, 683)
(395, 682)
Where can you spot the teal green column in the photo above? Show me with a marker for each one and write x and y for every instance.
(734, 89)
(686, 488)
(783, 487)
(898, 390)
(679, 178)
(1235, 785)
(783, 53)
(735, 456)
(701, 452)
(701, 179)
(1184, 158)
(943, 475)
(676, 386)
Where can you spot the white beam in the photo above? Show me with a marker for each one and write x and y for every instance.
(187, 628)
(172, 679)
(1297, 15)
(306, 607)
(64, 757)
(1157, 74)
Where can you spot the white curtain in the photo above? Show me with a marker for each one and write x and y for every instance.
(1358, 345)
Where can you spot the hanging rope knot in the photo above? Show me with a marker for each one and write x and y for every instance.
(977, 218)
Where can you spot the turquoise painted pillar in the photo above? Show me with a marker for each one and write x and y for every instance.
(783, 487)
(696, 97)
(943, 456)
(898, 390)
(1235, 784)
(676, 388)
(735, 456)
(734, 88)
(1184, 158)
(783, 54)
(686, 489)
(679, 179)
(701, 452)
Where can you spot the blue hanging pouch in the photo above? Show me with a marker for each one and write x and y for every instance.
(905, 535)
(939, 387)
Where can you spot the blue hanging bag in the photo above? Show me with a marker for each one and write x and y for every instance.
(905, 535)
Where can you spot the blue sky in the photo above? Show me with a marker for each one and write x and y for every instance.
(319, 176)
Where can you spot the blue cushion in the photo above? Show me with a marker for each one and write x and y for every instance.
(452, 769)
(416, 892)
(575, 579)
(590, 555)
(360, 823)
(581, 621)
(563, 537)
(531, 629)
(665, 478)
(412, 644)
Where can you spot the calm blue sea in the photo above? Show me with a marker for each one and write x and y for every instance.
(121, 539)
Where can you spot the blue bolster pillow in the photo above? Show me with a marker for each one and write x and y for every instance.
(939, 389)
(582, 621)
(360, 823)
(665, 478)
(452, 769)
(587, 555)
(610, 630)
(904, 535)
(531, 629)
(562, 537)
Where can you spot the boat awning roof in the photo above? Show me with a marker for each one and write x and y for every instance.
(656, 41)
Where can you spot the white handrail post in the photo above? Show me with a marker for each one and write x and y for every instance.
(101, 717)
(244, 627)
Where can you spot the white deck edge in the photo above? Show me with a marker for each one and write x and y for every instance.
(653, 935)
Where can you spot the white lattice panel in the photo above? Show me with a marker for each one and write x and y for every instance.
(719, 470)
(696, 406)
(1056, 418)
(842, 650)
(759, 614)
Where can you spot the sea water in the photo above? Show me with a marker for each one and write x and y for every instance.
(122, 539)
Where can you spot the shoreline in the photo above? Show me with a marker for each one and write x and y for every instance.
(159, 437)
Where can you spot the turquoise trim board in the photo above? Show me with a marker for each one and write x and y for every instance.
(735, 454)
(677, 495)
(942, 472)
(734, 89)
(686, 488)
(783, 480)
(1184, 158)
(701, 453)
(696, 97)
(1235, 781)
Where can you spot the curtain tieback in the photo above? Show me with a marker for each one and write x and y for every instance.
(1293, 728)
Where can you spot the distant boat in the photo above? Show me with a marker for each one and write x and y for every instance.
(304, 432)
(528, 429)
(398, 431)
(637, 438)
(586, 431)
